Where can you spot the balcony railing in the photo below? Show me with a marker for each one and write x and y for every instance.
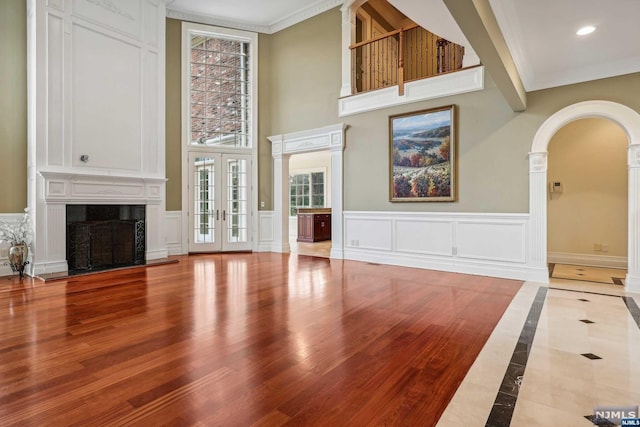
(401, 56)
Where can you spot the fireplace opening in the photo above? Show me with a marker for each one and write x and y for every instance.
(101, 237)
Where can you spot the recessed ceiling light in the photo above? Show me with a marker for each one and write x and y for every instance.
(586, 30)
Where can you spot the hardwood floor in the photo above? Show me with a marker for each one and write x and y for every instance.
(246, 339)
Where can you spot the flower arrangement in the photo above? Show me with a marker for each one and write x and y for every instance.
(20, 232)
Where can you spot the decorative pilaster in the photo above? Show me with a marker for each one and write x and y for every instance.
(632, 282)
(280, 198)
(538, 209)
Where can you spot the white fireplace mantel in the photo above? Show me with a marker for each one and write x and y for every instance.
(74, 188)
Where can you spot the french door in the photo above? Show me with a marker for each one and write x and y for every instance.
(219, 199)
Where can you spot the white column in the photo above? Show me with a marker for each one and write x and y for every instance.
(632, 281)
(337, 147)
(280, 198)
(537, 253)
(348, 29)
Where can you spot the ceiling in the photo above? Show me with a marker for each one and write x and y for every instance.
(540, 34)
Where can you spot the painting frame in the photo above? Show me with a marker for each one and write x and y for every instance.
(422, 156)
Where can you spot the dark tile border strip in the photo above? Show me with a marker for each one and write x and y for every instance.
(633, 309)
(505, 402)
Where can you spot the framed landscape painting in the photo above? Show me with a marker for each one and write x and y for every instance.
(422, 156)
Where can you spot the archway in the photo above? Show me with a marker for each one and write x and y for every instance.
(629, 120)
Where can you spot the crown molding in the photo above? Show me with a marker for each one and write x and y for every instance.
(212, 20)
(273, 27)
(303, 14)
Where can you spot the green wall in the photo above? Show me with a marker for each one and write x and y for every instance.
(173, 89)
(13, 105)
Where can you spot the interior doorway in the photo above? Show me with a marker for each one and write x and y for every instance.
(627, 119)
(587, 205)
(329, 138)
(310, 203)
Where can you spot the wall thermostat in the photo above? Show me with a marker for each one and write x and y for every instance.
(555, 187)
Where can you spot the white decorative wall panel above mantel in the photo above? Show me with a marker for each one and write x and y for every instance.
(96, 115)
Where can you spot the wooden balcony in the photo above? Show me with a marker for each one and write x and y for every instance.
(400, 56)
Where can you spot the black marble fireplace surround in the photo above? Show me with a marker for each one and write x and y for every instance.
(100, 237)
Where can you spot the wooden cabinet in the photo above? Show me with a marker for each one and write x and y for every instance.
(314, 227)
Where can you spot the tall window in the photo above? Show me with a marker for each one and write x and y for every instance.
(219, 83)
(306, 190)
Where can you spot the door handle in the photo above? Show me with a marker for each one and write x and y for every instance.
(217, 214)
(224, 215)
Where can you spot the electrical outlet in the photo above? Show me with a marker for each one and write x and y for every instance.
(605, 247)
(262, 204)
(4, 252)
(597, 247)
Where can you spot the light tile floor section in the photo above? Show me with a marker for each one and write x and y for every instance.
(593, 274)
(559, 386)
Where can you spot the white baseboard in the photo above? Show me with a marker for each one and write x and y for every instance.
(156, 254)
(587, 259)
(40, 268)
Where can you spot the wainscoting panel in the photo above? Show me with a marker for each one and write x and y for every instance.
(491, 240)
(266, 231)
(173, 236)
(424, 236)
(471, 243)
(373, 233)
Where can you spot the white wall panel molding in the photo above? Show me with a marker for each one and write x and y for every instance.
(472, 243)
(96, 83)
(468, 80)
(266, 233)
(173, 234)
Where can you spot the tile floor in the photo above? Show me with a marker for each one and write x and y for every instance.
(559, 386)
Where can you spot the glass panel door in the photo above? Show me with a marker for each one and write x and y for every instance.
(204, 217)
(237, 215)
(220, 194)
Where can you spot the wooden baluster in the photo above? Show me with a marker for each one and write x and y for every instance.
(401, 64)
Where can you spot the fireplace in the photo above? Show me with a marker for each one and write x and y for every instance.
(101, 237)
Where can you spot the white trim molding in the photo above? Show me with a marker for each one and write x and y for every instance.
(629, 121)
(266, 28)
(467, 80)
(587, 259)
(282, 147)
(470, 243)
